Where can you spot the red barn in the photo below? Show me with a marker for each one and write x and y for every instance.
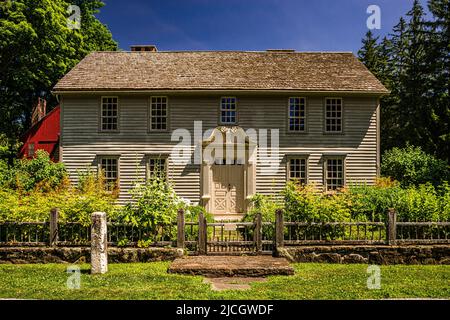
(43, 134)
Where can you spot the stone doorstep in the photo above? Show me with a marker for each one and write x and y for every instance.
(231, 266)
(232, 283)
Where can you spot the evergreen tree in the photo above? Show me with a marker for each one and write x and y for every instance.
(369, 54)
(438, 82)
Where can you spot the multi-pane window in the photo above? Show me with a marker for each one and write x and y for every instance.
(31, 149)
(297, 114)
(110, 114)
(228, 112)
(110, 169)
(333, 115)
(157, 167)
(158, 113)
(334, 173)
(297, 170)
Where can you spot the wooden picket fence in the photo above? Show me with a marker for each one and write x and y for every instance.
(229, 237)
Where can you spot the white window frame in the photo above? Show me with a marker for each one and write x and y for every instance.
(326, 178)
(221, 109)
(101, 171)
(289, 171)
(151, 117)
(299, 117)
(102, 117)
(149, 158)
(335, 118)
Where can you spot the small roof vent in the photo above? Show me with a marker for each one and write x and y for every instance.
(280, 50)
(147, 47)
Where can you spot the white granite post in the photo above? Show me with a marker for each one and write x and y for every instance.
(99, 248)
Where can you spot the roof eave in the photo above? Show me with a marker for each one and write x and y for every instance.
(220, 91)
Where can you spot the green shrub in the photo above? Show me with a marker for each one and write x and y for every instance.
(264, 204)
(412, 166)
(304, 203)
(76, 204)
(28, 174)
(154, 206)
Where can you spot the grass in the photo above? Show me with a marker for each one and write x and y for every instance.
(150, 281)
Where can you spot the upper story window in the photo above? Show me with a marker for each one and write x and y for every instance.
(157, 166)
(109, 117)
(228, 110)
(333, 115)
(334, 173)
(297, 116)
(297, 170)
(158, 114)
(109, 167)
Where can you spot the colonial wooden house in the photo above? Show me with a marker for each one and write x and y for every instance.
(119, 111)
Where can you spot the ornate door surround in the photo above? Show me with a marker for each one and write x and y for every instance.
(247, 147)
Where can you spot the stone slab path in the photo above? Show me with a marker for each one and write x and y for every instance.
(231, 266)
(232, 283)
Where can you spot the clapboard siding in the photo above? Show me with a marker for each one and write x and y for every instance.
(82, 142)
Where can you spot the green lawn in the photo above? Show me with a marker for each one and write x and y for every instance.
(150, 281)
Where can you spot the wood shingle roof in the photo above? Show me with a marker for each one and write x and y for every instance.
(221, 70)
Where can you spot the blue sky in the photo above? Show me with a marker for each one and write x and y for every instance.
(304, 25)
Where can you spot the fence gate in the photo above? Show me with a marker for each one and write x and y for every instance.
(234, 238)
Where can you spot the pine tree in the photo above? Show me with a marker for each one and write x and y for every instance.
(369, 54)
(438, 64)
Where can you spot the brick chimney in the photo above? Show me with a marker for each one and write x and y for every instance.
(149, 47)
(39, 111)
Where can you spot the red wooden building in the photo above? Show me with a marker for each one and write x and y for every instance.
(43, 134)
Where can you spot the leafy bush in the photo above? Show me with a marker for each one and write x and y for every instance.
(357, 203)
(155, 203)
(76, 204)
(304, 203)
(264, 204)
(412, 166)
(28, 174)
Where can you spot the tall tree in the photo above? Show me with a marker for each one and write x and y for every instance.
(37, 48)
(369, 53)
(438, 81)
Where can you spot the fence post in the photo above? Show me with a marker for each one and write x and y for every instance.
(279, 229)
(391, 232)
(180, 229)
(258, 233)
(54, 215)
(201, 234)
(99, 244)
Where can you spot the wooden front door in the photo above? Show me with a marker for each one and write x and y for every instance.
(228, 189)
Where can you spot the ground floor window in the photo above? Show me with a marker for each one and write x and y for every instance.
(109, 167)
(334, 173)
(157, 167)
(297, 170)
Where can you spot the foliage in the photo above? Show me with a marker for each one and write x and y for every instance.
(413, 63)
(304, 203)
(27, 175)
(155, 203)
(76, 204)
(358, 202)
(264, 204)
(412, 166)
(37, 49)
